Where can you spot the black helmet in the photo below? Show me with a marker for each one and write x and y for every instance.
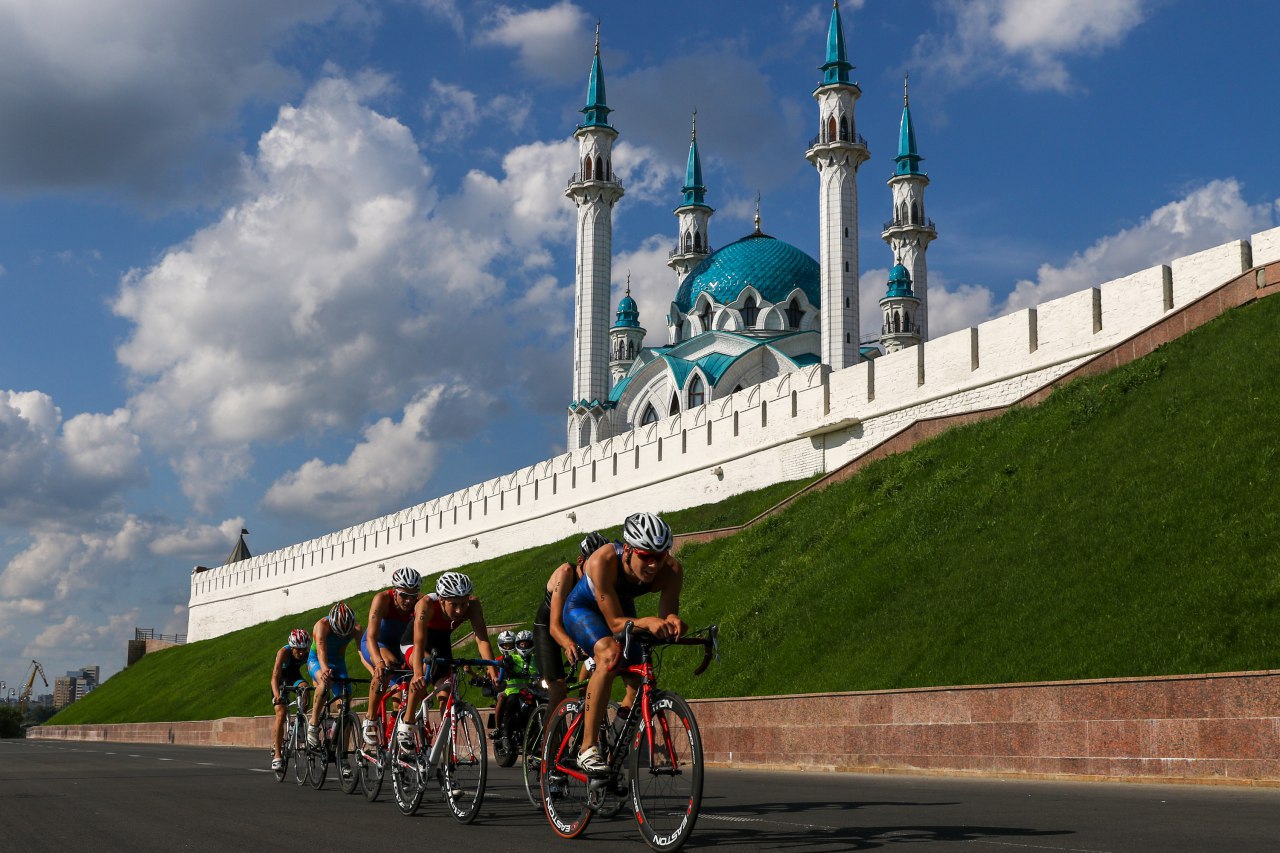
(594, 542)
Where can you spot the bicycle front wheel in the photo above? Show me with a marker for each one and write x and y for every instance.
(464, 763)
(666, 773)
(347, 751)
(564, 785)
(531, 763)
(297, 747)
(284, 753)
(318, 758)
(407, 768)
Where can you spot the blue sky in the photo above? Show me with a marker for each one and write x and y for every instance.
(289, 266)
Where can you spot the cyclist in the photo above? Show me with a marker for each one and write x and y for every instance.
(286, 671)
(603, 602)
(389, 614)
(517, 666)
(328, 659)
(549, 635)
(430, 633)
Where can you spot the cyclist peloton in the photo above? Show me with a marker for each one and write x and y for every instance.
(328, 660)
(286, 671)
(389, 614)
(549, 634)
(602, 603)
(431, 633)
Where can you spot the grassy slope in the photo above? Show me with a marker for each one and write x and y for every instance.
(1128, 526)
(228, 675)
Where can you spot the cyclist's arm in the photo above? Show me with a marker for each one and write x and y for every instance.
(669, 603)
(319, 634)
(476, 612)
(604, 576)
(562, 582)
(421, 615)
(275, 675)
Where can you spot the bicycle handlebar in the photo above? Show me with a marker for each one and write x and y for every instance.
(710, 643)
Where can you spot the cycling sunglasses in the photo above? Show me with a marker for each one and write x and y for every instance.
(648, 555)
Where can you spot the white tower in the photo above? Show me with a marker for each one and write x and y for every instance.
(692, 242)
(900, 308)
(594, 190)
(626, 338)
(910, 231)
(836, 153)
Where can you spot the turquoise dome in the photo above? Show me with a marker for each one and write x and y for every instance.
(628, 313)
(899, 282)
(772, 267)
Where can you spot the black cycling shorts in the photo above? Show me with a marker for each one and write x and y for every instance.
(550, 661)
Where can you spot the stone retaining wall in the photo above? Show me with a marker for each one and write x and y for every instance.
(1194, 728)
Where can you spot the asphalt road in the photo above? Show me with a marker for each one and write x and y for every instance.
(98, 796)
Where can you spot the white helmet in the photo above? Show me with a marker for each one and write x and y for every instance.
(506, 641)
(406, 578)
(646, 531)
(341, 619)
(524, 643)
(454, 585)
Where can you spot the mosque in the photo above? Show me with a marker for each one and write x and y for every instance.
(755, 308)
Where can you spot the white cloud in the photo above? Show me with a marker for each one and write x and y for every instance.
(446, 9)
(653, 285)
(138, 94)
(1027, 40)
(391, 460)
(198, 541)
(457, 111)
(553, 43)
(92, 641)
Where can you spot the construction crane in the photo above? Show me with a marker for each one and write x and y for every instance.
(25, 696)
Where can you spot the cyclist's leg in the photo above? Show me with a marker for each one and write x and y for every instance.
(550, 663)
(278, 726)
(320, 678)
(588, 629)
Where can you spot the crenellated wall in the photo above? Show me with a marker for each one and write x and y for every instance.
(799, 424)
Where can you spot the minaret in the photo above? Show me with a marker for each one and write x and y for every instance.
(836, 153)
(626, 338)
(594, 190)
(900, 308)
(909, 232)
(693, 214)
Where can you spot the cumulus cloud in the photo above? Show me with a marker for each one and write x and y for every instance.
(135, 94)
(653, 285)
(1206, 216)
(392, 459)
(92, 641)
(197, 541)
(553, 43)
(457, 111)
(1026, 41)
(51, 468)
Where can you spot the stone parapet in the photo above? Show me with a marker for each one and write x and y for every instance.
(1190, 728)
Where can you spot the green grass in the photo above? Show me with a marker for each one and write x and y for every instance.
(1128, 526)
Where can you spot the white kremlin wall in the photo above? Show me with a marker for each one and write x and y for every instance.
(797, 425)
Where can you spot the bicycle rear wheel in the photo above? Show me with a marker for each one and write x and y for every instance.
(531, 764)
(347, 750)
(373, 765)
(666, 774)
(464, 763)
(408, 771)
(297, 747)
(563, 784)
(318, 757)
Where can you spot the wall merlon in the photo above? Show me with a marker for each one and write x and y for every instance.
(1266, 247)
(1195, 275)
(950, 359)
(1136, 301)
(1067, 324)
(1006, 341)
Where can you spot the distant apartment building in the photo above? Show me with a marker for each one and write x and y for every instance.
(76, 684)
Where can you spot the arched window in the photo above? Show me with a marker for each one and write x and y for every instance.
(705, 317)
(844, 129)
(915, 214)
(586, 169)
(750, 311)
(831, 129)
(650, 416)
(600, 176)
(687, 244)
(697, 241)
(794, 314)
(897, 322)
(608, 169)
(902, 214)
(696, 394)
(631, 349)
(674, 409)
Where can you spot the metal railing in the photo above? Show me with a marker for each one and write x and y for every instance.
(705, 250)
(150, 634)
(823, 139)
(902, 223)
(574, 179)
(905, 329)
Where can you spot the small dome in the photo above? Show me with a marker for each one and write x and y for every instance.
(628, 313)
(774, 268)
(899, 282)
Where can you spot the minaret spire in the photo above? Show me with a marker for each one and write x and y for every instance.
(693, 214)
(594, 191)
(836, 153)
(910, 231)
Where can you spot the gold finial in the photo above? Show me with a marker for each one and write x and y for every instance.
(597, 36)
(905, 76)
(694, 137)
(758, 212)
